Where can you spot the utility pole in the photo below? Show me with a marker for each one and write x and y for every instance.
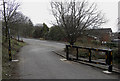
(6, 30)
(7, 33)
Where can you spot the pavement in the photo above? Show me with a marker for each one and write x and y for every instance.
(38, 60)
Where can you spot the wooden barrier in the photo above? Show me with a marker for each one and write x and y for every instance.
(108, 53)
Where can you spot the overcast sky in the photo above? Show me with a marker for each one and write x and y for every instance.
(39, 11)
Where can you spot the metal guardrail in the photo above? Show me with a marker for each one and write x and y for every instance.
(108, 54)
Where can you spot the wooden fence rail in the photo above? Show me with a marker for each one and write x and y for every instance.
(108, 54)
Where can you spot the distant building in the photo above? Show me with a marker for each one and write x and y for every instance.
(102, 34)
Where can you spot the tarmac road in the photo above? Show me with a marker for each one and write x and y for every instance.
(37, 61)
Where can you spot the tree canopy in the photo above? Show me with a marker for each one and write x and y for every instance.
(55, 33)
(74, 17)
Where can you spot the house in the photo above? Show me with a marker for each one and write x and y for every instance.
(116, 37)
(101, 34)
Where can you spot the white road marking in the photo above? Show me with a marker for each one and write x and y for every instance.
(63, 59)
(15, 60)
(107, 72)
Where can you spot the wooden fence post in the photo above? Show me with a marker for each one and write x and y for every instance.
(89, 55)
(77, 53)
(67, 52)
(110, 62)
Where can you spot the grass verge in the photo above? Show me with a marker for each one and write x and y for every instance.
(9, 68)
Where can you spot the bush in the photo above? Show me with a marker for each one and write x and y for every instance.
(55, 33)
(95, 42)
(111, 44)
(116, 56)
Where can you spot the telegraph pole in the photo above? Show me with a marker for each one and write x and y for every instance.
(6, 30)
(7, 33)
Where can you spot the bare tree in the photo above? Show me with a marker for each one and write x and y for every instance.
(21, 25)
(9, 9)
(75, 17)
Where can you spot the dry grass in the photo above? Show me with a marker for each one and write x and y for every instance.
(9, 68)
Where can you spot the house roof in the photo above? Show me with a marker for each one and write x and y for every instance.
(101, 30)
(98, 32)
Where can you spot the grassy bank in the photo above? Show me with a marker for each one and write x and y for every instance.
(9, 68)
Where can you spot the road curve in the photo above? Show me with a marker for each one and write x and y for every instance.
(37, 61)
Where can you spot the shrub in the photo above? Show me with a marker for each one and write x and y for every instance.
(95, 42)
(111, 44)
(116, 56)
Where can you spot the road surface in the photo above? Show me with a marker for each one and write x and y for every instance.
(37, 61)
